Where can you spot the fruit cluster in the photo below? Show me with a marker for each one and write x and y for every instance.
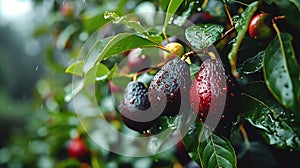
(171, 92)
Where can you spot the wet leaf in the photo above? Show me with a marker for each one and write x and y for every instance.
(275, 123)
(282, 71)
(241, 27)
(203, 35)
(211, 151)
(253, 64)
(171, 10)
(107, 47)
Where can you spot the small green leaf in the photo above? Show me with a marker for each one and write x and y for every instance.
(241, 27)
(204, 35)
(115, 18)
(76, 68)
(282, 71)
(215, 151)
(171, 10)
(253, 64)
(265, 113)
(211, 151)
(135, 25)
(105, 48)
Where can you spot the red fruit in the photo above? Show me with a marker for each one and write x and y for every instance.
(67, 9)
(213, 91)
(260, 27)
(137, 61)
(77, 149)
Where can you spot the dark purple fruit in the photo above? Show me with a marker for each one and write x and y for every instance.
(214, 91)
(260, 27)
(169, 88)
(135, 107)
(137, 61)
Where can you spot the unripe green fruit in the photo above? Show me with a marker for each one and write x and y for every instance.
(176, 50)
(260, 27)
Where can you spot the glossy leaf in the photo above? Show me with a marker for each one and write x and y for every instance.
(203, 35)
(113, 45)
(208, 149)
(76, 68)
(241, 27)
(253, 64)
(135, 25)
(275, 123)
(282, 71)
(215, 151)
(171, 10)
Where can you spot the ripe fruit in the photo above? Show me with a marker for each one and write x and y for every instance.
(176, 50)
(260, 27)
(137, 61)
(213, 91)
(77, 149)
(135, 107)
(169, 86)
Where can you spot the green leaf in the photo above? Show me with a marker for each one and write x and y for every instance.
(252, 65)
(215, 8)
(76, 68)
(105, 48)
(181, 20)
(241, 27)
(171, 10)
(215, 151)
(135, 25)
(275, 123)
(212, 151)
(282, 72)
(203, 35)
(93, 18)
(115, 18)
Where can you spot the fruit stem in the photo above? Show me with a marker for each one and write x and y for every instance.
(188, 54)
(228, 14)
(227, 33)
(163, 48)
(165, 35)
(277, 18)
(244, 133)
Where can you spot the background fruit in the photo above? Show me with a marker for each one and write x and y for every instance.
(260, 27)
(176, 50)
(135, 107)
(169, 86)
(137, 61)
(77, 149)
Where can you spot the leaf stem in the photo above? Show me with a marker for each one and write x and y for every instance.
(228, 14)
(244, 133)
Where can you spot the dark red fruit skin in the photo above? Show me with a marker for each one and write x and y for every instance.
(260, 27)
(169, 86)
(137, 61)
(136, 106)
(78, 150)
(210, 84)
